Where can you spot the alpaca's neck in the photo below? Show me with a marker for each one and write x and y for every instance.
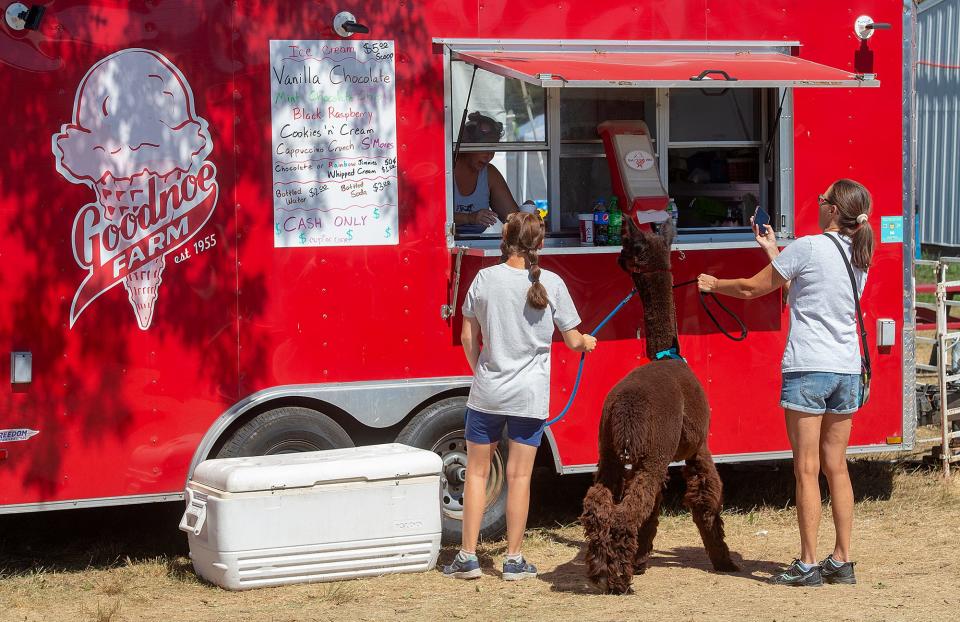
(659, 319)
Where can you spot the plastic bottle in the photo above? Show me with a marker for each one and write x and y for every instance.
(601, 221)
(674, 213)
(614, 229)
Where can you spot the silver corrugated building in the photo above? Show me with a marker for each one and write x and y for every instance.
(938, 122)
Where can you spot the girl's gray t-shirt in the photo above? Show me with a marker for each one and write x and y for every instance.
(513, 372)
(824, 333)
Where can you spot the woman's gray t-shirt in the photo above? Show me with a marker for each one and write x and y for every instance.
(513, 371)
(824, 333)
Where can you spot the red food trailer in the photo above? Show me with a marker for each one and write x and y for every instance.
(227, 228)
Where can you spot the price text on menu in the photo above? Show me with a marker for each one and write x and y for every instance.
(334, 143)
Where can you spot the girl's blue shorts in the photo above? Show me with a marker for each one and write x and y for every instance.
(484, 428)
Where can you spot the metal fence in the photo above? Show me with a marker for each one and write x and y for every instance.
(938, 122)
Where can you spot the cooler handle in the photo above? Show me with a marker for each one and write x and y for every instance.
(196, 509)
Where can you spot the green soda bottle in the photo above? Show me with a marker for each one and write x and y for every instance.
(615, 229)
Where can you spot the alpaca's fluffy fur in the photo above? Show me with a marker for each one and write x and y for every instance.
(657, 414)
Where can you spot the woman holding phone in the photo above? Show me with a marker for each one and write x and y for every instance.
(821, 364)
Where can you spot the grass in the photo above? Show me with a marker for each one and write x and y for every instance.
(66, 568)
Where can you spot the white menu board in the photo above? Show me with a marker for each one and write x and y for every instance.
(334, 123)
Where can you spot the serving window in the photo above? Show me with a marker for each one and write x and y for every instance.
(721, 138)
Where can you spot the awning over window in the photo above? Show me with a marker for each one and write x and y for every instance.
(664, 69)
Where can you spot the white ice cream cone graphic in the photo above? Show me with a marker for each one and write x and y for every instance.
(135, 139)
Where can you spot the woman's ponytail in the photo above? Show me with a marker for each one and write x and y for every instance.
(854, 203)
(523, 235)
(862, 252)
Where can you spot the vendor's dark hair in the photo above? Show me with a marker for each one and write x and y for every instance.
(852, 200)
(480, 128)
(522, 235)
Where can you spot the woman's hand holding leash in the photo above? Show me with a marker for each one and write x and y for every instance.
(707, 283)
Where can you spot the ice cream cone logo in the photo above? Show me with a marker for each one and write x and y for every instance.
(136, 140)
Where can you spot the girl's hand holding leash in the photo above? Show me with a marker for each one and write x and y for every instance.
(589, 343)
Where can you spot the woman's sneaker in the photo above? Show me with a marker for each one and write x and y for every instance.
(519, 569)
(837, 572)
(796, 575)
(463, 567)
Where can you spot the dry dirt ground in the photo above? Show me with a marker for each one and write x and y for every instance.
(130, 564)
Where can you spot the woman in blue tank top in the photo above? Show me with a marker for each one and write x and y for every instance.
(481, 195)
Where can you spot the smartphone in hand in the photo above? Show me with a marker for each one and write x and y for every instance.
(761, 219)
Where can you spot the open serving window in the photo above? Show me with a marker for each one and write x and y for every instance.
(718, 116)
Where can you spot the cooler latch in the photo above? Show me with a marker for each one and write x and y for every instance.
(195, 514)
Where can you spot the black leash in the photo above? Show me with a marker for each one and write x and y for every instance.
(703, 303)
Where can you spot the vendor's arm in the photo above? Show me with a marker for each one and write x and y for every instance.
(470, 338)
(501, 201)
(760, 284)
(483, 217)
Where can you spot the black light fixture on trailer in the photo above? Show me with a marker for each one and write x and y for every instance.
(346, 25)
(21, 17)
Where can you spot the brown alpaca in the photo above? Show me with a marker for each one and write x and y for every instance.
(657, 414)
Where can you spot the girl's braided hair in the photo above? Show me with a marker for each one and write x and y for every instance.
(523, 235)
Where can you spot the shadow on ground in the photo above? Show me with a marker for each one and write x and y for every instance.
(99, 538)
(746, 487)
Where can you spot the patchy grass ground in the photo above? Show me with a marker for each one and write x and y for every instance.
(130, 564)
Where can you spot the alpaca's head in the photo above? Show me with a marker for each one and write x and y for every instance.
(646, 251)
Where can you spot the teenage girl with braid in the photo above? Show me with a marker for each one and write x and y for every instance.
(513, 306)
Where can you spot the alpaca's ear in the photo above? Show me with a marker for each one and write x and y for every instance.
(668, 233)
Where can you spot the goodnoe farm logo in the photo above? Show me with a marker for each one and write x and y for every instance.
(135, 140)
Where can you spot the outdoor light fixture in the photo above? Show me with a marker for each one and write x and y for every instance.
(865, 26)
(21, 17)
(346, 25)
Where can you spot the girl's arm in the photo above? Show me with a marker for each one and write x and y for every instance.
(578, 342)
(760, 284)
(470, 338)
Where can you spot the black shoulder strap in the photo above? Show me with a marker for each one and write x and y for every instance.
(856, 300)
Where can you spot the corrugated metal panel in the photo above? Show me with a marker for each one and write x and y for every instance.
(938, 122)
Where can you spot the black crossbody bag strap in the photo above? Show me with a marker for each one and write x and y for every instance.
(856, 302)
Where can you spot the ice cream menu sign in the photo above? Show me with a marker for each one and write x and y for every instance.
(334, 143)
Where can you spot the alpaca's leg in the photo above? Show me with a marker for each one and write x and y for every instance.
(633, 511)
(648, 531)
(704, 497)
(597, 517)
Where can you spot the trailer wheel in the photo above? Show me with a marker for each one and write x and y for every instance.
(440, 428)
(285, 430)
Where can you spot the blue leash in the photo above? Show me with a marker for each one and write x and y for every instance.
(576, 383)
(669, 353)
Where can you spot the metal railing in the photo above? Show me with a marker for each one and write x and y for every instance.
(945, 342)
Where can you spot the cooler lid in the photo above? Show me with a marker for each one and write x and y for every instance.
(315, 468)
(662, 67)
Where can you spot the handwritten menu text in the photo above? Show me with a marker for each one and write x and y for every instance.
(334, 143)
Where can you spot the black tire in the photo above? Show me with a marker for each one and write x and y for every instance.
(285, 430)
(440, 428)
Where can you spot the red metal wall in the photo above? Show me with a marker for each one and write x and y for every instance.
(121, 410)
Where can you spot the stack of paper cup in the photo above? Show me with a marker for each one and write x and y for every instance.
(586, 229)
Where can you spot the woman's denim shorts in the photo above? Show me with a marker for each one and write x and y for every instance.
(819, 392)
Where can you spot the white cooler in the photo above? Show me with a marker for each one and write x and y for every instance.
(315, 516)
